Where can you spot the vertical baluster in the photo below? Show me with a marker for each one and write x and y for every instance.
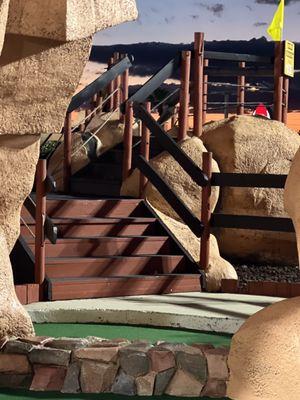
(67, 152)
(145, 151)
(184, 95)
(128, 133)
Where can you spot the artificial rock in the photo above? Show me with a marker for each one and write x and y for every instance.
(246, 144)
(3, 20)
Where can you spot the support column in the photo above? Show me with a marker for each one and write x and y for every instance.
(67, 152)
(241, 91)
(198, 82)
(278, 80)
(40, 216)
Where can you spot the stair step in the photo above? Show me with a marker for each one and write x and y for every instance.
(81, 208)
(114, 266)
(87, 288)
(106, 171)
(95, 187)
(95, 227)
(109, 246)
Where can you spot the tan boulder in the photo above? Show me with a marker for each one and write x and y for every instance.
(292, 196)
(67, 20)
(264, 355)
(18, 157)
(3, 20)
(37, 81)
(218, 268)
(173, 174)
(247, 144)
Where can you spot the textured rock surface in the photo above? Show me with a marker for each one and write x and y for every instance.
(67, 20)
(292, 196)
(264, 355)
(3, 19)
(252, 145)
(37, 81)
(218, 268)
(183, 185)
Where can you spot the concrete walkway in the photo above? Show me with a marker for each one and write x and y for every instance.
(200, 311)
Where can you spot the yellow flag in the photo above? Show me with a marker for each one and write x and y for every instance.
(275, 30)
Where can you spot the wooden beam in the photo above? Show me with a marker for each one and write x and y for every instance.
(241, 91)
(278, 80)
(198, 83)
(128, 136)
(249, 180)
(145, 151)
(67, 166)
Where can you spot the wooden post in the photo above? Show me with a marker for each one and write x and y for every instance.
(198, 82)
(117, 84)
(278, 80)
(226, 105)
(184, 95)
(285, 103)
(128, 133)
(174, 117)
(205, 93)
(125, 89)
(145, 150)
(206, 212)
(67, 172)
(99, 103)
(110, 87)
(40, 216)
(241, 91)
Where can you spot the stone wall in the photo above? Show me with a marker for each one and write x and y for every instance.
(95, 365)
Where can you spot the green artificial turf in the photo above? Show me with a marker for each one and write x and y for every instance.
(131, 333)
(113, 332)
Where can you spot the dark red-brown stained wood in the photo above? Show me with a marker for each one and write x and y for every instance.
(145, 151)
(184, 95)
(269, 289)
(206, 212)
(278, 80)
(67, 152)
(40, 217)
(294, 289)
(229, 286)
(283, 289)
(205, 93)
(198, 82)
(124, 89)
(33, 293)
(110, 87)
(241, 91)
(285, 101)
(117, 84)
(21, 292)
(128, 133)
(99, 102)
(255, 288)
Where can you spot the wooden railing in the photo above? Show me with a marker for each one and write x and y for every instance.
(44, 226)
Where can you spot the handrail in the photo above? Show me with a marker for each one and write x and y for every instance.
(171, 146)
(100, 83)
(217, 55)
(170, 196)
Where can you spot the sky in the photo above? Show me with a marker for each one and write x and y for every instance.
(175, 21)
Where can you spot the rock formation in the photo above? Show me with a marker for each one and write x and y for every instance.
(44, 53)
(248, 144)
(190, 193)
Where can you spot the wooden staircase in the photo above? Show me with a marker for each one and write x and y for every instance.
(111, 247)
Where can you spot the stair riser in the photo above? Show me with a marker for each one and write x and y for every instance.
(96, 209)
(123, 287)
(100, 171)
(107, 189)
(73, 230)
(111, 247)
(119, 267)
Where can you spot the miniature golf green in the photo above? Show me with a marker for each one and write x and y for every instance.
(113, 332)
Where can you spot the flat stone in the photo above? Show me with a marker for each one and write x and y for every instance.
(67, 343)
(145, 384)
(104, 354)
(36, 340)
(48, 378)
(184, 385)
(162, 381)
(161, 359)
(194, 364)
(124, 385)
(217, 363)
(17, 347)
(203, 346)
(48, 356)
(97, 377)
(109, 343)
(15, 381)
(14, 364)
(134, 360)
(71, 383)
(214, 388)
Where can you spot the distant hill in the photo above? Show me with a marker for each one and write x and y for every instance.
(150, 57)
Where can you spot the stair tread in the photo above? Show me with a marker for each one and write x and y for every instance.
(112, 220)
(66, 260)
(144, 277)
(31, 240)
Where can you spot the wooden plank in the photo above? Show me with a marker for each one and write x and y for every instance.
(21, 292)
(100, 83)
(168, 71)
(68, 289)
(33, 293)
(184, 95)
(198, 82)
(170, 196)
(169, 144)
(274, 224)
(223, 56)
(249, 180)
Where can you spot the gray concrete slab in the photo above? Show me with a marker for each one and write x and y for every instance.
(200, 311)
